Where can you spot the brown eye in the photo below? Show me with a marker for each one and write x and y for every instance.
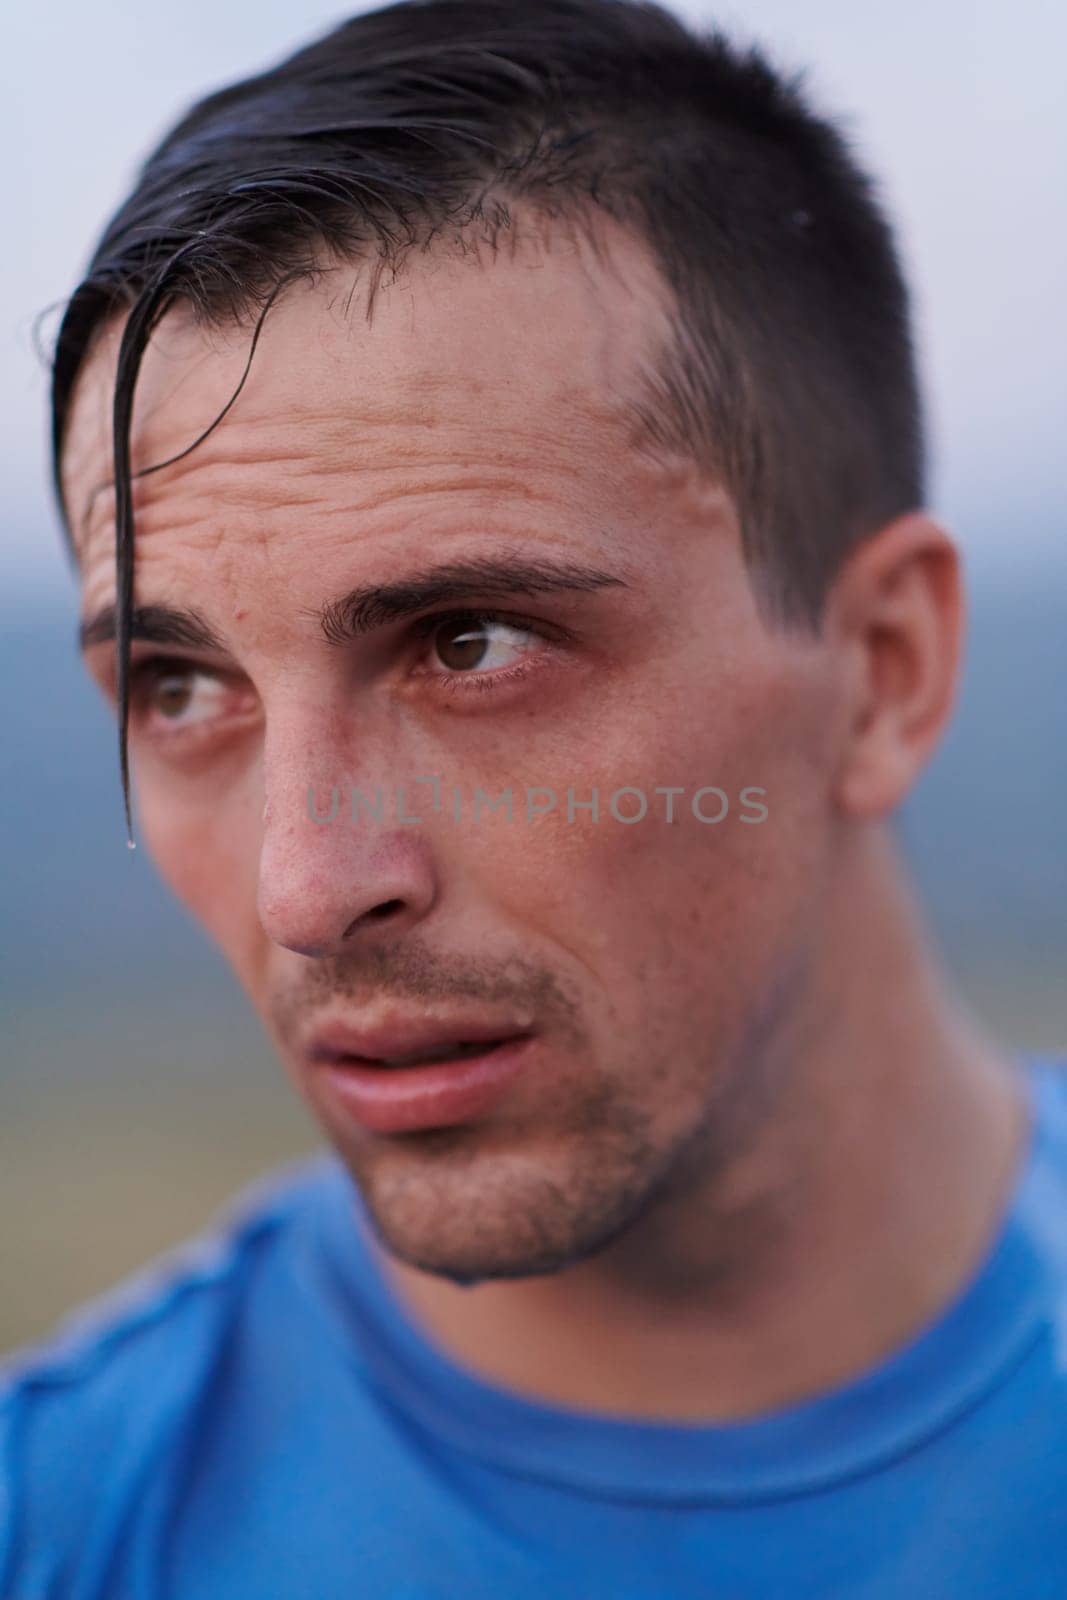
(171, 693)
(171, 696)
(459, 646)
(475, 646)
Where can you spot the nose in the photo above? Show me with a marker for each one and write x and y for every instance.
(328, 881)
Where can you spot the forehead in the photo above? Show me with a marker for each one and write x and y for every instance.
(520, 364)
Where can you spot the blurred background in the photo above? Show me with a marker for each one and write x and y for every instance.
(136, 1088)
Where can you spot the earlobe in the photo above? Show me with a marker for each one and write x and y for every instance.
(897, 611)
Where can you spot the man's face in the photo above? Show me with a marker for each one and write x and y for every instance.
(477, 418)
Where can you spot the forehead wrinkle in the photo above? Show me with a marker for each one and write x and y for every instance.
(458, 499)
(526, 422)
(306, 484)
(605, 268)
(558, 430)
(396, 425)
(524, 468)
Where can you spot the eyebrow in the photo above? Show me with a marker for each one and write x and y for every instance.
(363, 609)
(159, 624)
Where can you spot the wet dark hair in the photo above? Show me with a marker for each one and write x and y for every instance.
(790, 374)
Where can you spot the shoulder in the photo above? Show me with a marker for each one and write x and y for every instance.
(1043, 1197)
(83, 1411)
(124, 1328)
(1049, 1079)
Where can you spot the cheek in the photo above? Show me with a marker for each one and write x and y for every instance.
(205, 842)
(681, 915)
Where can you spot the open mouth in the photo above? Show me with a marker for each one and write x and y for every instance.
(437, 1083)
(408, 1044)
(455, 1050)
(458, 1051)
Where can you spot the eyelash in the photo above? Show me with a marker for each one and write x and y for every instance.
(482, 682)
(149, 669)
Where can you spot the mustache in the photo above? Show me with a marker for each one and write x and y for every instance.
(413, 972)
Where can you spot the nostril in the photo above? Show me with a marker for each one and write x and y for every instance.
(377, 913)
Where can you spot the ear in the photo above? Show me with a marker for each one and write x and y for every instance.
(895, 617)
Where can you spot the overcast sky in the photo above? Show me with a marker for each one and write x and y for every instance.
(957, 105)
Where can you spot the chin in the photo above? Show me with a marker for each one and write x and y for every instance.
(497, 1217)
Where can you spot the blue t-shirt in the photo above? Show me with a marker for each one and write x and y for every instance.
(257, 1416)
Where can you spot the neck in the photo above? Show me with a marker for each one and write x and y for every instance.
(865, 1201)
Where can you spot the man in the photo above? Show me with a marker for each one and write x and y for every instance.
(490, 447)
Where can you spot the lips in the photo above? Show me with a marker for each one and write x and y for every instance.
(409, 1042)
(408, 1075)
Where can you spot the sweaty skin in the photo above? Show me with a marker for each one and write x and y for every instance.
(756, 1144)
